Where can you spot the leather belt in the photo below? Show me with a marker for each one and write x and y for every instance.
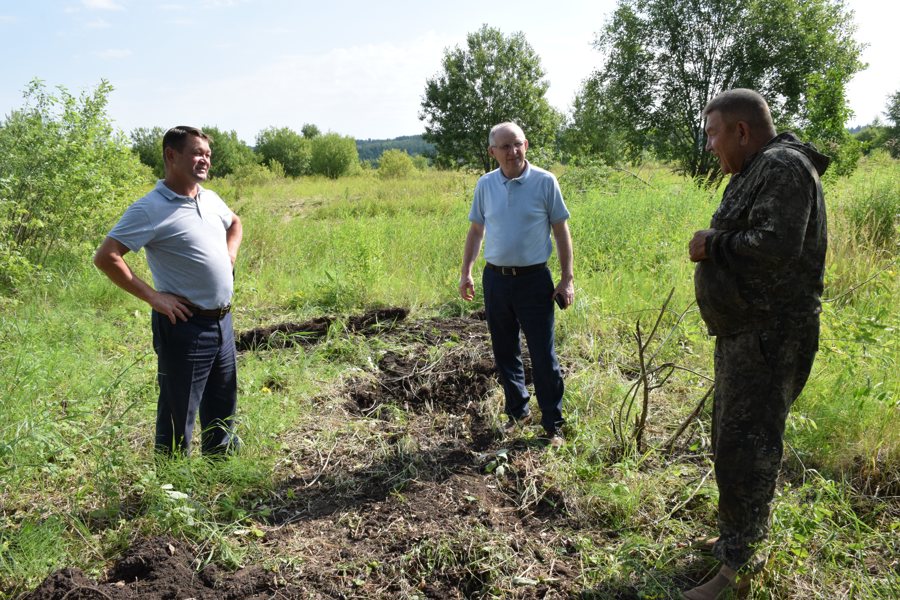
(515, 270)
(211, 313)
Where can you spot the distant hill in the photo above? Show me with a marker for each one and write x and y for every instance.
(371, 150)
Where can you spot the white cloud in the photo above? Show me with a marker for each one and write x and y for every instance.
(7, 19)
(367, 91)
(98, 24)
(102, 5)
(114, 53)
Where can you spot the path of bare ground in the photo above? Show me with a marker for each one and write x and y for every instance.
(417, 492)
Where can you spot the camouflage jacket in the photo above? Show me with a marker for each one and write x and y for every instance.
(766, 259)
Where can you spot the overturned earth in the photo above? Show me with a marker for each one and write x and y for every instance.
(421, 495)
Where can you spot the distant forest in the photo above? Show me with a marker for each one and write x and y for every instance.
(371, 150)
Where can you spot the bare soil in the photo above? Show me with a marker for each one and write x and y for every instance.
(425, 496)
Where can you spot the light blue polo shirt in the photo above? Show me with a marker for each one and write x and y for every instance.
(517, 215)
(185, 243)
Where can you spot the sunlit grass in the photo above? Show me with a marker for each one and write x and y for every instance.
(77, 381)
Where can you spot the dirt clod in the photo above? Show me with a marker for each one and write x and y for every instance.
(284, 335)
(150, 569)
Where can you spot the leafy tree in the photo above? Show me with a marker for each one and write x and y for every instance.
(229, 153)
(333, 155)
(65, 175)
(892, 133)
(395, 164)
(310, 131)
(147, 144)
(592, 134)
(871, 137)
(667, 58)
(495, 78)
(286, 147)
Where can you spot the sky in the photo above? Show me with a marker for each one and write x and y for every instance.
(355, 68)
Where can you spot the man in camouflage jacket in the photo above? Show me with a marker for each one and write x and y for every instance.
(758, 282)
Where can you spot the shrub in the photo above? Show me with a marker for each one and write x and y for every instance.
(395, 164)
(229, 153)
(64, 177)
(147, 144)
(333, 155)
(287, 147)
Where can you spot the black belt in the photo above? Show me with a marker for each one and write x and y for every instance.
(211, 313)
(515, 270)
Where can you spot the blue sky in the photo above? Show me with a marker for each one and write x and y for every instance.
(357, 68)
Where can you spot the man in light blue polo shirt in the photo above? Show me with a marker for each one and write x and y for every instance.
(515, 210)
(191, 239)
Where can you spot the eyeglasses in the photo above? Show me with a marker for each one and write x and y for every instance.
(508, 147)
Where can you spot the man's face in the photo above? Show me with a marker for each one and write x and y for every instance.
(193, 161)
(727, 140)
(509, 151)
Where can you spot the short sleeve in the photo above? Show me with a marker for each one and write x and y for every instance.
(134, 229)
(557, 210)
(476, 213)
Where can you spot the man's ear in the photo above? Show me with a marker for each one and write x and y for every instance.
(743, 129)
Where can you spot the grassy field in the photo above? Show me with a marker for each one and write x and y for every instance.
(375, 465)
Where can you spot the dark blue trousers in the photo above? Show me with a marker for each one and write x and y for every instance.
(197, 374)
(515, 303)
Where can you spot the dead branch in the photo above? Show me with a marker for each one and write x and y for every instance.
(670, 445)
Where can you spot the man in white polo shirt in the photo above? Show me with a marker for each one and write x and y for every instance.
(515, 209)
(191, 240)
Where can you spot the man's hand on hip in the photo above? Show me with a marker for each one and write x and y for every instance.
(172, 306)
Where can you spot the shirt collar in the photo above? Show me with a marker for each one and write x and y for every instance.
(168, 194)
(521, 178)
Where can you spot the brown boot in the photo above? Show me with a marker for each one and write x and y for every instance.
(726, 579)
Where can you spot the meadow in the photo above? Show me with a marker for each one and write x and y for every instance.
(374, 461)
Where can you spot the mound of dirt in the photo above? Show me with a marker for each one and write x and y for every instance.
(162, 568)
(439, 503)
(284, 335)
(445, 365)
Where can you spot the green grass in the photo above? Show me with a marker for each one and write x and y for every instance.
(78, 481)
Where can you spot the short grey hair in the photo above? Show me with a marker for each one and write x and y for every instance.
(505, 125)
(742, 104)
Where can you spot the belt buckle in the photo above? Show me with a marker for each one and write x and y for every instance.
(508, 271)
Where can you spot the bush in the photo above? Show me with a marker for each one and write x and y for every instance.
(234, 186)
(395, 164)
(333, 155)
(65, 175)
(287, 147)
(229, 153)
(147, 144)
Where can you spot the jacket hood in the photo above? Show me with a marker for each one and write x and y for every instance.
(819, 160)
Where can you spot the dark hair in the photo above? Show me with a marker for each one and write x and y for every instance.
(741, 104)
(176, 137)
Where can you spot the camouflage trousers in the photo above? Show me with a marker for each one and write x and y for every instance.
(758, 375)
